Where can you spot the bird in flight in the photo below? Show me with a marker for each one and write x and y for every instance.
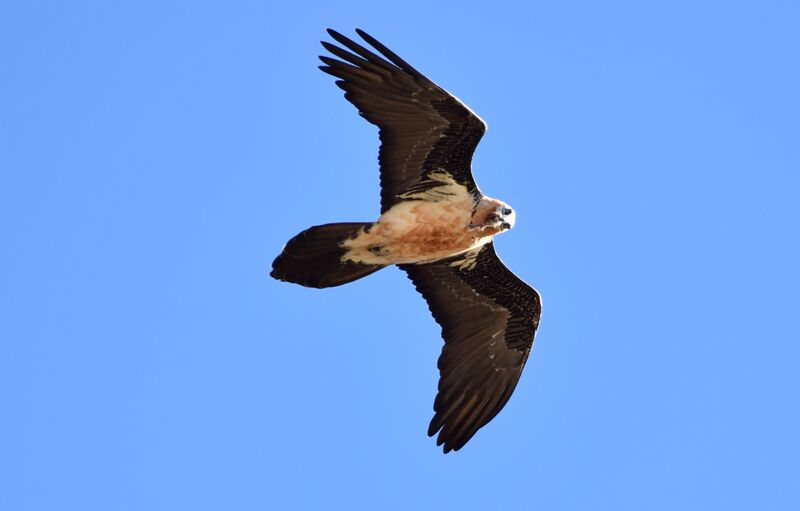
(437, 226)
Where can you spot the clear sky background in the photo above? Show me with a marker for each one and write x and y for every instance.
(156, 156)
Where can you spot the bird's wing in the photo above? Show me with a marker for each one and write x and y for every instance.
(488, 318)
(423, 128)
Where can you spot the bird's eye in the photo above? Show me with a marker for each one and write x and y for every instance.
(506, 211)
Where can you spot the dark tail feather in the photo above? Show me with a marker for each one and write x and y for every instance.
(313, 258)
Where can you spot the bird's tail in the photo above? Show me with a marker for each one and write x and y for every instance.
(313, 258)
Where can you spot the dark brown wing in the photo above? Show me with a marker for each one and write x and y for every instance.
(422, 127)
(488, 318)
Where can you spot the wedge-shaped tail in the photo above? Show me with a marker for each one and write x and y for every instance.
(313, 258)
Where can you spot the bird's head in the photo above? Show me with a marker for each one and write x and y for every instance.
(498, 215)
(506, 216)
(493, 215)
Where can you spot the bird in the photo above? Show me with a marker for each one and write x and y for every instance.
(434, 224)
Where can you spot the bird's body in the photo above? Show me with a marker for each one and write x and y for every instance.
(438, 227)
(443, 222)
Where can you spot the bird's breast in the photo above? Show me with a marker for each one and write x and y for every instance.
(417, 230)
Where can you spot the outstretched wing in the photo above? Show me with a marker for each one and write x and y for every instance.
(422, 127)
(488, 318)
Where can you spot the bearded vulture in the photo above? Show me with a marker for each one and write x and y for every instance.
(437, 226)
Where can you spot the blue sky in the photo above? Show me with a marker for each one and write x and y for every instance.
(155, 157)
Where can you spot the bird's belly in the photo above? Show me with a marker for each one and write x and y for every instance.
(414, 231)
